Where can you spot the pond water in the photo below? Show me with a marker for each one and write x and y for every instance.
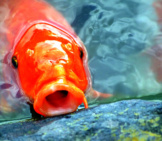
(120, 39)
(123, 40)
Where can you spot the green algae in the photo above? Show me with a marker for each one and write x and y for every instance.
(121, 113)
(142, 122)
(85, 128)
(154, 122)
(97, 116)
(73, 123)
(136, 114)
(29, 132)
(131, 134)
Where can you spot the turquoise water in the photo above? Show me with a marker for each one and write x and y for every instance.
(119, 36)
(121, 40)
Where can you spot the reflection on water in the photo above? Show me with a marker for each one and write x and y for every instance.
(118, 36)
(120, 39)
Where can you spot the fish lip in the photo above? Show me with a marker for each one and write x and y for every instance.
(74, 98)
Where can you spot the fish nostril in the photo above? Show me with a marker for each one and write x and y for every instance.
(60, 61)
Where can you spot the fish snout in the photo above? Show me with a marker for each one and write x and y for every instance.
(58, 97)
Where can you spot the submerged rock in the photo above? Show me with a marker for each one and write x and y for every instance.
(124, 120)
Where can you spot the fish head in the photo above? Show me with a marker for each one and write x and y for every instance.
(50, 67)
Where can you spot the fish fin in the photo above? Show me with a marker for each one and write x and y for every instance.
(4, 106)
(98, 95)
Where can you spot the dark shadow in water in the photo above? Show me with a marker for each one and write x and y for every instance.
(82, 17)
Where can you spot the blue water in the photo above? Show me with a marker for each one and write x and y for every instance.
(117, 35)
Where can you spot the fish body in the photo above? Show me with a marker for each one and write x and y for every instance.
(45, 58)
(156, 50)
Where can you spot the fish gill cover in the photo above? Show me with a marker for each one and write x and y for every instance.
(122, 38)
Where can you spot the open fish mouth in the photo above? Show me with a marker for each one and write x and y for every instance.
(58, 98)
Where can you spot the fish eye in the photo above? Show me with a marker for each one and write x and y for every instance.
(14, 61)
(81, 53)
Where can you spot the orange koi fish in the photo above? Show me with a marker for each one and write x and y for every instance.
(47, 59)
(157, 49)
